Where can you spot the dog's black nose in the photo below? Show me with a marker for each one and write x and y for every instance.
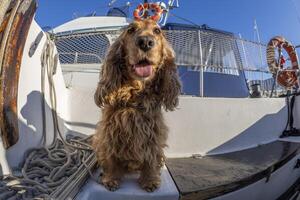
(145, 43)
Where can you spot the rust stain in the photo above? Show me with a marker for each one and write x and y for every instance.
(6, 18)
(11, 71)
(3, 25)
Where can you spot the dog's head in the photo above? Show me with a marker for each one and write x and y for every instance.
(146, 48)
(140, 54)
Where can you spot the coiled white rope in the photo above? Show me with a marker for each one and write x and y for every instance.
(46, 168)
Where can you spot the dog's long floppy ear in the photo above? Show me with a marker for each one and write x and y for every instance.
(170, 85)
(111, 73)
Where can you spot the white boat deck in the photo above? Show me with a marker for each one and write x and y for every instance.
(130, 190)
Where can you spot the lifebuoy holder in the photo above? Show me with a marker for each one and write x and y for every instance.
(141, 12)
(286, 77)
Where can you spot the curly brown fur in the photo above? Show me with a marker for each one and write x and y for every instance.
(132, 133)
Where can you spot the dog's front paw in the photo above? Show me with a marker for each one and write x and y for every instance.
(111, 185)
(149, 185)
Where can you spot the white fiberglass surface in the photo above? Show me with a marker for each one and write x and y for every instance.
(130, 189)
(199, 125)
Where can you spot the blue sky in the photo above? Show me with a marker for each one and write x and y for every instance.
(274, 17)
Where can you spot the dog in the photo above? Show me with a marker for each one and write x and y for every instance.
(138, 78)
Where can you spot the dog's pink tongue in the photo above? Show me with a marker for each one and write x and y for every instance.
(143, 70)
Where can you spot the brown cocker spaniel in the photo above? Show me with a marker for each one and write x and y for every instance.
(138, 77)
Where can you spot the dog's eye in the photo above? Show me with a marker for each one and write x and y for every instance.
(131, 30)
(157, 31)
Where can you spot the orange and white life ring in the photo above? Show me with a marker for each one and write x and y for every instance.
(286, 77)
(140, 12)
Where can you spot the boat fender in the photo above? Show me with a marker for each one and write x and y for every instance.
(142, 11)
(285, 77)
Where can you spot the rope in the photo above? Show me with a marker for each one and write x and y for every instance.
(44, 170)
(48, 61)
(47, 168)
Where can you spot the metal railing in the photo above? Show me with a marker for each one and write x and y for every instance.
(193, 48)
(198, 50)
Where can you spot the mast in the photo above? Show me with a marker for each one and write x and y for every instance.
(171, 5)
(256, 32)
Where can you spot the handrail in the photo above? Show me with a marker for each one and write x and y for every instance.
(198, 50)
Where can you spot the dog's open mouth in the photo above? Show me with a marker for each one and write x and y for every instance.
(143, 68)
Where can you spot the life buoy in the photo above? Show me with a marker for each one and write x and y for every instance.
(286, 77)
(140, 12)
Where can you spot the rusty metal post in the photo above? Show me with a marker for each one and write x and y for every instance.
(13, 34)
